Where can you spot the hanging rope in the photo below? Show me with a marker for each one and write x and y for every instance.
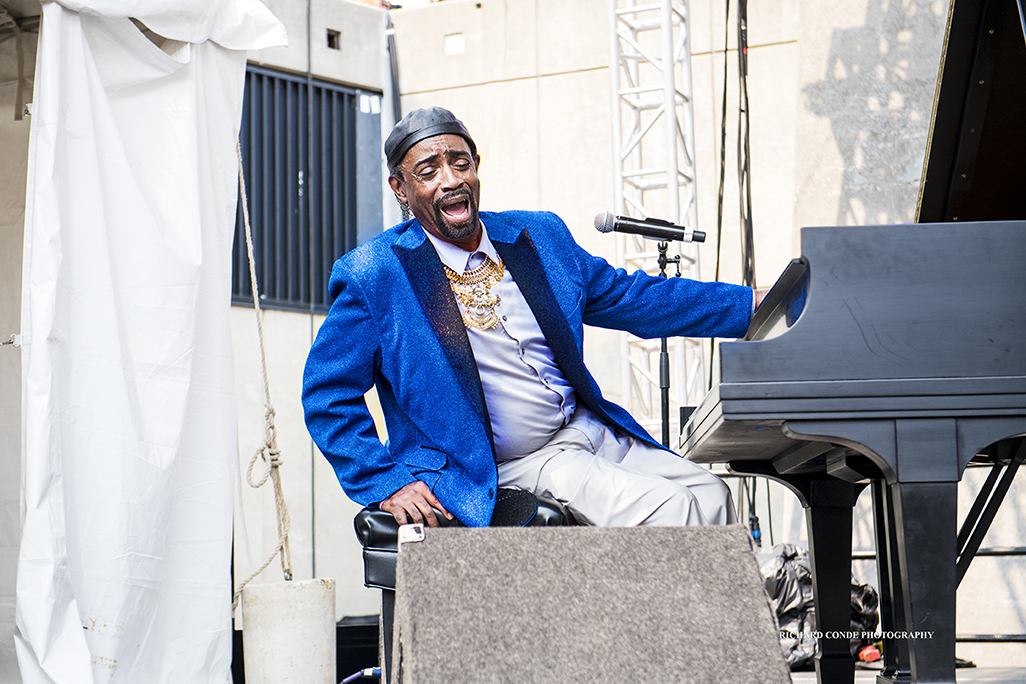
(268, 451)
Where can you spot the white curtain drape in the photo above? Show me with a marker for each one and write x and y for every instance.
(129, 424)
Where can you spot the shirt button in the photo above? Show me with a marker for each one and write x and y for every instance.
(491, 494)
(503, 318)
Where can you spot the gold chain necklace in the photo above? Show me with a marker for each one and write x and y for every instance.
(473, 290)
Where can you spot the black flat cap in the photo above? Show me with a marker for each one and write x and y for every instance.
(420, 124)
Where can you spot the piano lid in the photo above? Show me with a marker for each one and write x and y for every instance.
(975, 166)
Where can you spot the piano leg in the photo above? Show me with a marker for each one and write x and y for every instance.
(828, 504)
(925, 517)
(892, 613)
(828, 517)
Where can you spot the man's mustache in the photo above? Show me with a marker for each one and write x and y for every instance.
(453, 195)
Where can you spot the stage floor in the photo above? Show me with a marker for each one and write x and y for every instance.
(968, 675)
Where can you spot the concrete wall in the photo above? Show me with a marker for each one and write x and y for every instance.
(867, 78)
(322, 540)
(357, 62)
(840, 101)
(322, 515)
(868, 74)
(773, 102)
(13, 168)
(531, 85)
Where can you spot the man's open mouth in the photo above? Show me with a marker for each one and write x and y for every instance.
(456, 209)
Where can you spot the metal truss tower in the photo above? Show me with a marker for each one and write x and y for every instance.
(654, 163)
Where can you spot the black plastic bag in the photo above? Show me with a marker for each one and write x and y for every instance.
(787, 574)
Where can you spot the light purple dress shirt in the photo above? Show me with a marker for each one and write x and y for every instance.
(528, 396)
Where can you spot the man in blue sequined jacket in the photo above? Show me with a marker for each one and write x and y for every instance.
(470, 326)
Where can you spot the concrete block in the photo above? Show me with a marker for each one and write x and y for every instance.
(289, 636)
(585, 604)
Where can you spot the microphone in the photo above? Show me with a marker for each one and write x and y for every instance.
(652, 228)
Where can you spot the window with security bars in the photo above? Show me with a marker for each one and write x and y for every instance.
(300, 159)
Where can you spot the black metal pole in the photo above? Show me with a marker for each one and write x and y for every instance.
(664, 389)
(664, 361)
(664, 357)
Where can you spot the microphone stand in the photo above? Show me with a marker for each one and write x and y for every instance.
(664, 354)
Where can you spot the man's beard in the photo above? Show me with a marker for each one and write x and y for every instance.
(463, 229)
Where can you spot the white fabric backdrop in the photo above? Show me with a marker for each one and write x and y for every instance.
(129, 433)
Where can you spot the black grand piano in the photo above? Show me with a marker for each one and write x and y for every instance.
(892, 356)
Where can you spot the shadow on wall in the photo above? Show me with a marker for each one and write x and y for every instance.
(878, 92)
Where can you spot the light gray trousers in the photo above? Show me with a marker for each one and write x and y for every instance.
(613, 480)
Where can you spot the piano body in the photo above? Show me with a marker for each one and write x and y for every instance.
(891, 356)
(873, 360)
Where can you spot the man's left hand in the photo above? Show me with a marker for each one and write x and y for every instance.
(417, 502)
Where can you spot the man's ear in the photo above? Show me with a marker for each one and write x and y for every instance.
(397, 188)
(477, 161)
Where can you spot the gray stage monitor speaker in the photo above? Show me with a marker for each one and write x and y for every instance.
(583, 604)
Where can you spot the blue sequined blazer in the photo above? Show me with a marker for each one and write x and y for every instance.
(394, 324)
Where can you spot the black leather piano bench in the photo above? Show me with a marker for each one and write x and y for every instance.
(378, 531)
